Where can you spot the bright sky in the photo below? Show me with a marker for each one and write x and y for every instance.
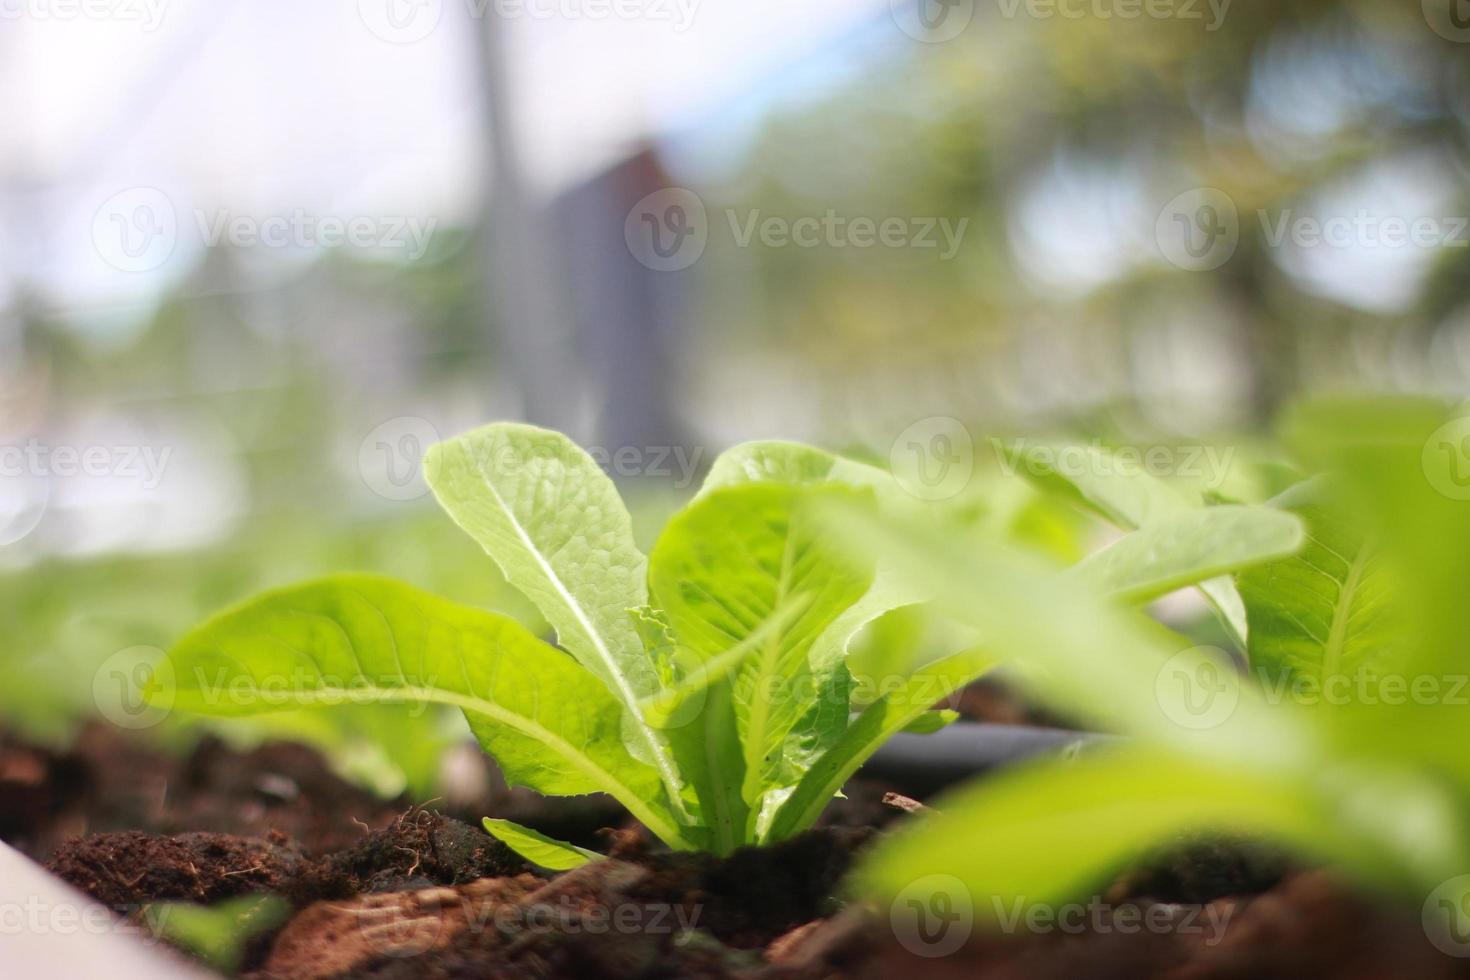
(340, 107)
(208, 109)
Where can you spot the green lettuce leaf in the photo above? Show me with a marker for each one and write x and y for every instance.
(536, 847)
(890, 714)
(1326, 612)
(1081, 649)
(793, 464)
(356, 639)
(1053, 832)
(1189, 548)
(554, 523)
(723, 568)
(1128, 498)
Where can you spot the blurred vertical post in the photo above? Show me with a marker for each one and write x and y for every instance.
(626, 316)
(521, 276)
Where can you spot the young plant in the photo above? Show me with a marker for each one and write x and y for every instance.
(1128, 498)
(1297, 751)
(704, 686)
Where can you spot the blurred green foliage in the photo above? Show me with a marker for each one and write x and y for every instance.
(65, 620)
(1060, 139)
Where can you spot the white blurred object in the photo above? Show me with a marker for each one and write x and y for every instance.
(66, 934)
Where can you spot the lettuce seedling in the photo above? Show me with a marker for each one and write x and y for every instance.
(1127, 497)
(704, 686)
(1342, 741)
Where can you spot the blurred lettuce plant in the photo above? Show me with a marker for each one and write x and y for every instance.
(1343, 740)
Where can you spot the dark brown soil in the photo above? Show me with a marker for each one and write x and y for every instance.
(1309, 926)
(111, 780)
(420, 849)
(632, 916)
(388, 890)
(426, 873)
(114, 780)
(128, 868)
(757, 894)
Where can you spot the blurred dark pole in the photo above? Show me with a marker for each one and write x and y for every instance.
(1271, 344)
(627, 317)
(522, 279)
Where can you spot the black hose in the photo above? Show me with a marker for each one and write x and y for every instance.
(925, 764)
